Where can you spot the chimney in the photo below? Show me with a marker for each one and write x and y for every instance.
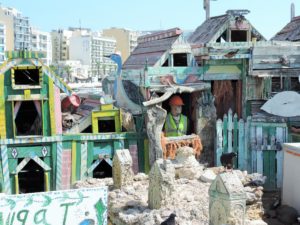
(206, 6)
(292, 11)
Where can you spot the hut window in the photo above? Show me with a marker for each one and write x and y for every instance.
(295, 84)
(277, 84)
(238, 35)
(26, 77)
(180, 59)
(106, 125)
(28, 118)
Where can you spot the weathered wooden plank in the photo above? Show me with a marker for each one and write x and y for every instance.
(229, 130)
(280, 137)
(248, 144)
(279, 172)
(259, 138)
(219, 140)
(242, 151)
(225, 137)
(253, 148)
(259, 161)
(235, 137)
(266, 168)
(272, 169)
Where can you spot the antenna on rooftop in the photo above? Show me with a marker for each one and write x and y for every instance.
(206, 7)
(292, 11)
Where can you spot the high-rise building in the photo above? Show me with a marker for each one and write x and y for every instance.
(41, 41)
(126, 40)
(18, 28)
(60, 45)
(2, 42)
(91, 50)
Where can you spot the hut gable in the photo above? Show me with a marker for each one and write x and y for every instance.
(231, 27)
(291, 31)
(151, 48)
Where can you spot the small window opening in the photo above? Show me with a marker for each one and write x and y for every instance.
(238, 35)
(277, 84)
(27, 77)
(28, 118)
(180, 59)
(102, 170)
(105, 126)
(31, 178)
(166, 63)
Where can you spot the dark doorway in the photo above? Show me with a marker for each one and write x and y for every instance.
(27, 120)
(102, 170)
(31, 178)
(105, 126)
(27, 77)
(228, 95)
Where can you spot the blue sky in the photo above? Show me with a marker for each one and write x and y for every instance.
(268, 16)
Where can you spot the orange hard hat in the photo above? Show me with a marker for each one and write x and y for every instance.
(176, 100)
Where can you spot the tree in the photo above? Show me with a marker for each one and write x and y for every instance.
(68, 70)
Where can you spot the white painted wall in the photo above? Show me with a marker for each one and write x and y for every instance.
(291, 178)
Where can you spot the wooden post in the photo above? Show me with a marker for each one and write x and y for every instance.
(229, 130)
(17, 184)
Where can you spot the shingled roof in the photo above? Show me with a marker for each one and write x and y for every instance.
(206, 31)
(211, 29)
(150, 48)
(291, 32)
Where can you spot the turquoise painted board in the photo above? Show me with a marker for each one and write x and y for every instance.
(80, 206)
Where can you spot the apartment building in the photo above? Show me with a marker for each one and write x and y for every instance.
(60, 44)
(17, 29)
(2, 42)
(41, 41)
(126, 40)
(91, 50)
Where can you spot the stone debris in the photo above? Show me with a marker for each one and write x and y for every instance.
(186, 164)
(189, 201)
(208, 176)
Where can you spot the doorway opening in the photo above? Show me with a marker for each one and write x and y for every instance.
(31, 178)
(103, 170)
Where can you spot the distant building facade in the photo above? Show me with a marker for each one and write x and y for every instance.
(91, 50)
(126, 40)
(60, 44)
(2, 42)
(17, 29)
(41, 41)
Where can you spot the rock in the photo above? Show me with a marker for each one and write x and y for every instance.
(187, 165)
(208, 176)
(286, 214)
(255, 222)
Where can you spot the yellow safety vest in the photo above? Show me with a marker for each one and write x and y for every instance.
(171, 128)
